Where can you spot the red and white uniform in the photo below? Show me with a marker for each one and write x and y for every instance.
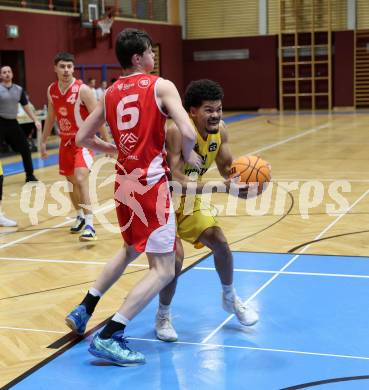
(144, 209)
(70, 114)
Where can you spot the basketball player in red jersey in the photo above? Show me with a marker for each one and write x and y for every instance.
(69, 102)
(135, 107)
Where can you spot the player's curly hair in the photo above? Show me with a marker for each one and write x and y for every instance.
(200, 90)
(131, 41)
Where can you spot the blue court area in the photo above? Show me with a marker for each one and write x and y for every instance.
(17, 167)
(313, 326)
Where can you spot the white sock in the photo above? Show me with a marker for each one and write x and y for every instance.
(163, 310)
(89, 219)
(120, 318)
(94, 292)
(229, 291)
(80, 213)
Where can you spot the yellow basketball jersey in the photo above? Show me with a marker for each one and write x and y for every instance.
(1, 169)
(208, 150)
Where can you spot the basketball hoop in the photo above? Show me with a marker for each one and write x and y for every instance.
(105, 25)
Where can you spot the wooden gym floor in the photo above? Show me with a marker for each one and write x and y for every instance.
(45, 271)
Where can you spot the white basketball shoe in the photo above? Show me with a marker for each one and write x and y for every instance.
(164, 328)
(245, 314)
(7, 222)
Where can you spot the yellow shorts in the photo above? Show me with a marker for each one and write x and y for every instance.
(194, 217)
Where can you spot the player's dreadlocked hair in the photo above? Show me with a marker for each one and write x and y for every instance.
(201, 90)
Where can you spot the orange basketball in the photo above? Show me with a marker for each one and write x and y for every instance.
(252, 169)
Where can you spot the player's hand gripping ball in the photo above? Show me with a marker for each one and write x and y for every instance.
(252, 170)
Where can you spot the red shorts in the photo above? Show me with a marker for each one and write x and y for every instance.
(72, 156)
(145, 215)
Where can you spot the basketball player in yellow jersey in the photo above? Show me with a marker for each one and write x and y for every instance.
(203, 102)
(4, 221)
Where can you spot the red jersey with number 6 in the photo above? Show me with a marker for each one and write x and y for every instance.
(137, 124)
(143, 204)
(69, 110)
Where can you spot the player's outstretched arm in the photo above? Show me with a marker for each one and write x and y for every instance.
(86, 135)
(169, 99)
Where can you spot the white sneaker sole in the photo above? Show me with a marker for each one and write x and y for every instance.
(166, 339)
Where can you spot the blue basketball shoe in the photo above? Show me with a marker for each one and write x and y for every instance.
(77, 319)
(78, 225)
(88, 234)
(115, 350)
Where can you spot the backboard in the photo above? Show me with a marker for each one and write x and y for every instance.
(91, 11)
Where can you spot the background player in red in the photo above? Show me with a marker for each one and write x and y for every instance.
(69, 102)
(135, 109)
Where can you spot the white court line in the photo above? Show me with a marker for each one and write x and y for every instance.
(32, 330)
(257, 292)
(11, 243)
(258, 349)
(26, 259)
(209, 345)
(262, 271)
(65, 261)
(277, 179)
(284, 141)
(313, 130)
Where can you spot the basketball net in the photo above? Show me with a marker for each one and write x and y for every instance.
(105, 25)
